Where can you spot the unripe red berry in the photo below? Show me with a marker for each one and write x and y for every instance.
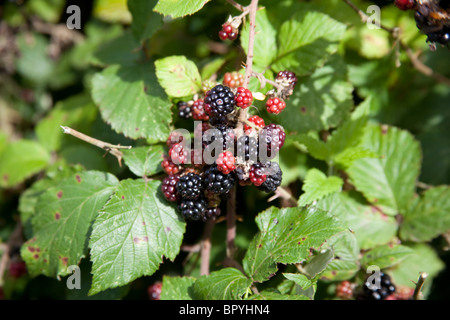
(226, 162)
(154, 291)
(275, 105)
(244, 98)
(405, 4)
(256, 120)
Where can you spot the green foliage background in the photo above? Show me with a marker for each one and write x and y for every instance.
(383, 171)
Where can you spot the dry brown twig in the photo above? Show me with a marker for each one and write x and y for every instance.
(108, 147)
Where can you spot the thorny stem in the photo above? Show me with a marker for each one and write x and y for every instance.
(419, 285)
(417, 64)
(111, 148)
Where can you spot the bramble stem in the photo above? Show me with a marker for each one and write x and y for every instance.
(419, 285)
(111, 148)
(205, 250)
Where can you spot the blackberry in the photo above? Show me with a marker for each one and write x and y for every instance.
(233, 79)
(154, 291)
(372, 292)
(273, 178)
(193, 209)
(256, 120)
(184, 110)
(257, 174)
(168, 187)
(198, 110)
(226, 162)
(286, 78)
(212, 213)
(405, 4)
(272, 137)
(244, 98)
(218, 182)
(220, 101)
(247, 148)
(224, 134)
(189, 186)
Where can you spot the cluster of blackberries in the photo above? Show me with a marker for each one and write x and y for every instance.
(432, 18)
(379, 290)
(199, 178)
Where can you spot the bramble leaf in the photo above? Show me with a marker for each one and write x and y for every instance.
(428, 216)
(388, 181)
(132, 102)
(225, 284)
(144, 161)
(177, 9)
(317, 185)
(21, 159)
(178, 76)
(62, 220)
(286, 236)
(132, 233)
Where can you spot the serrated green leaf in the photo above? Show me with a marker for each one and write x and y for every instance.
(385, 256)
(306, 41)
(271, 295)
(265, 37)
(346, 158)
(132, 233)
(132, 102)
(346, 262)
(178, 76)
(62, 220)
(286, 236)
(176, 288)
(316, 148)
(300, 279)
(424, 259)
(121, 49)
(225, 284)
(29, 198)
(20, 160)
(370, 226)
(428, 216)
(320, 101)
(145, 21)
(176, 9)
(387, 182)
(318, 263)
(144, 161)
(113, 11)
(317, 185)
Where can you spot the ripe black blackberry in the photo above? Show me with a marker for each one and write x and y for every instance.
(193, 209)
(217, 182)
(189, 186)
(184, 110)
(219, 102)
(211, 213)
(222, 133)
(247, 148)
(372, 292)
(274, 176)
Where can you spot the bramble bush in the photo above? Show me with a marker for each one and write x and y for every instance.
(209, 150)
